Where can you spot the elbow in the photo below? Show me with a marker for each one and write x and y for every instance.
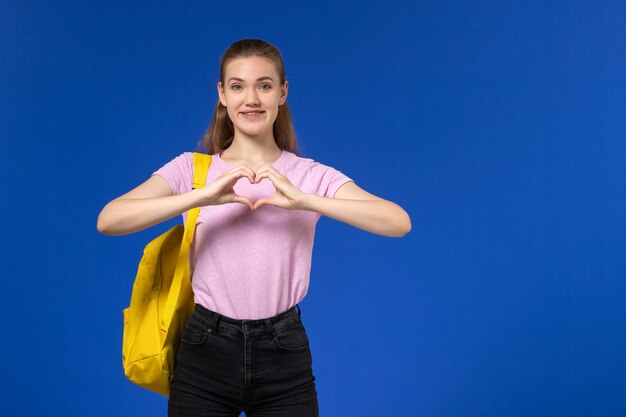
(404, 224)
(101, 226)
(105, 221)
(401, 225)
(404, 228)
(106, 229)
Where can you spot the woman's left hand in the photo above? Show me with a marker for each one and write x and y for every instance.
(287, 196)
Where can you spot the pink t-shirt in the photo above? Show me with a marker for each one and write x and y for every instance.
(253, 264)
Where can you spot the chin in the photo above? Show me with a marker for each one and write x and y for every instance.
(253, 132)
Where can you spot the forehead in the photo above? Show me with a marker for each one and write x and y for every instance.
(251, 68)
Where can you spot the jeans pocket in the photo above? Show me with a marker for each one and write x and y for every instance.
(194, 332)
(292, 338)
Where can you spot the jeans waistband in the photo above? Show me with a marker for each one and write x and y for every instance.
(219, 322)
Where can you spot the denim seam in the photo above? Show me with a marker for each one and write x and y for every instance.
(203, 333)
(286, 348)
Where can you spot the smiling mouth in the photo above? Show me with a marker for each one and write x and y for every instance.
(252, 115)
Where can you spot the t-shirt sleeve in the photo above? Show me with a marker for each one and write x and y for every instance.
(178, 173)
(326, 180)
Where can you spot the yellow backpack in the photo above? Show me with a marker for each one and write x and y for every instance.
(161, 300)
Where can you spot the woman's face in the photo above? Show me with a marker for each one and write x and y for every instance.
(252, 84)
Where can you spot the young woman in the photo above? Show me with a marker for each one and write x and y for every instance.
(245, 347)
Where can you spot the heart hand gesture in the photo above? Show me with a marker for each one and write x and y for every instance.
(220, 191)
(287, 196)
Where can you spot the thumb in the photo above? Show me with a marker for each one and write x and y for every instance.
(243, 200)
(260, 202)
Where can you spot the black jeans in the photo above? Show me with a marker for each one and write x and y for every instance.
(225, 366)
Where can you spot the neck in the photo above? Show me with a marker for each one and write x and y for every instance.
(252, 149)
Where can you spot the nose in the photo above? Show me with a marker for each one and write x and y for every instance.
(251, 97)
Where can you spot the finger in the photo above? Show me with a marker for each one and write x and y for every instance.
(258, 172)
(260, 202)
(243, 200)
(270, 202)
(247, 172)
(266, 174)
(242, 171)
(269, 168)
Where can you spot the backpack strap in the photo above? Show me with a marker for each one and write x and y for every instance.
(201, 164)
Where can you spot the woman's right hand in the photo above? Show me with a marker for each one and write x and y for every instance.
(220, 190)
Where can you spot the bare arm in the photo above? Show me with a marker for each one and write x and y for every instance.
(149, 204)
(153, 202)
(351, 204)
(358, 208)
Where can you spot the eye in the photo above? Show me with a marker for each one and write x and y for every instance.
(262, 85)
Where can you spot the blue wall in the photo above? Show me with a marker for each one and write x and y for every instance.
(498, 126)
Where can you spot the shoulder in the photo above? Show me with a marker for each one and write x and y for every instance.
(311, 168)
(182, 158)
(181, 165)
(186, 158)
(303, 163)
(178, 172)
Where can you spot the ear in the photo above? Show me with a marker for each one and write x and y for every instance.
(283, 96)
(220, 93)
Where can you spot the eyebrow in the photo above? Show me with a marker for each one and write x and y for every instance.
(258, 79)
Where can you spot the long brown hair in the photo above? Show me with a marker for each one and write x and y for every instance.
(220, 134)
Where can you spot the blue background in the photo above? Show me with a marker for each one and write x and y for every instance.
(498, 126)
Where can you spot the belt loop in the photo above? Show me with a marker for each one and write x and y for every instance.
(298, 307)
(269, 325)
(217, 322)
